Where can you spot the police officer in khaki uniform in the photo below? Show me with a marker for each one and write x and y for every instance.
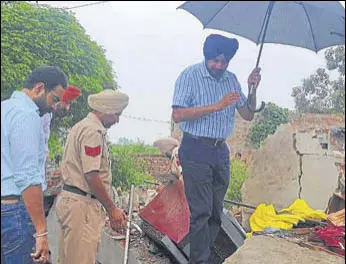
(86, 181)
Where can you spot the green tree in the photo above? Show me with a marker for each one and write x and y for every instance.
(320, 93)
(126, 168)
(239, 173)
(32, 36)
(272, 117)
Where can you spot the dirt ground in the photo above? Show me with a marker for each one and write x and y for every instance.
(149, 253)
(268, 250)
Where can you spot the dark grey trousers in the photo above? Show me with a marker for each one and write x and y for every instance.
(206, 173)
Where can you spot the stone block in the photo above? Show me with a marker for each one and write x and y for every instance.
(274, 173)
(306, 144)
(319, 180)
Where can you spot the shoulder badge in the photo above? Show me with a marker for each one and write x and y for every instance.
(92, 152)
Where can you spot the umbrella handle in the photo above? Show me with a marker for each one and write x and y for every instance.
(265, 25)
(248, 102)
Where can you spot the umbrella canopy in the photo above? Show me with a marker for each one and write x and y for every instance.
(313, 25)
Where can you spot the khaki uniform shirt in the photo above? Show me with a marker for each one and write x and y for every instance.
(86, 150)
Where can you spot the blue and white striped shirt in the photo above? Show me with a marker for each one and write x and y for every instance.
(22, 145)
(195, 88)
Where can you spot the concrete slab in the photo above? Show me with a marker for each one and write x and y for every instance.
(306, 144)
(111, 252)
(53, 233)
(319, 180)
(261, 249)
(274, 173)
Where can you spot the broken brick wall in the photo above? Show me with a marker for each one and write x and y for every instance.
(329, 130)
(302, 159)
(53, 178)
(308, 122)
(154, 163)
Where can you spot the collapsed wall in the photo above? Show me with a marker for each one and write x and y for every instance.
(303, 159)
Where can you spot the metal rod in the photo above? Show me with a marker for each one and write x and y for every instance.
(267, 19)
(127, 239)
(252, 88)
(240, 204)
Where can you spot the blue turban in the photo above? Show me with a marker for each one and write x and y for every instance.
(216, 45)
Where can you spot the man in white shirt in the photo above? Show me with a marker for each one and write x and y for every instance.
(70, 95)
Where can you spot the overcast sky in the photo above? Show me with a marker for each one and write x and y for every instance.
(150, 43)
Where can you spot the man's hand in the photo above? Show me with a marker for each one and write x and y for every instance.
(227, 100)
(42, 254)
(117, 219)
(254, 78)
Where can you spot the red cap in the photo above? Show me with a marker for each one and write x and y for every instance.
(71, 93)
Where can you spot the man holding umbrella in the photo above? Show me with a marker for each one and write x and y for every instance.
(205, 99)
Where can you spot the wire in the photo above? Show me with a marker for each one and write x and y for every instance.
(145, 119)
(84, 5)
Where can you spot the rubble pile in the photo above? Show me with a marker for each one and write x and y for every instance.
(147, 250)
(303, 171)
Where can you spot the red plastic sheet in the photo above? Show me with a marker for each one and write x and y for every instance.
(332, 236)
(169, 213)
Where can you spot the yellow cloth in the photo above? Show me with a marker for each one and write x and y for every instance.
(249, 235)
(266, 216)
(108, 101)
(301, 208)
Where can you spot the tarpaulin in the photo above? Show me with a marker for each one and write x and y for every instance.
(168, 212)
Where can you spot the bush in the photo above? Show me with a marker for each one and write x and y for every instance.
(239, 173)
(55, 146)
(273, 117)
(126, 169)
(32, 36)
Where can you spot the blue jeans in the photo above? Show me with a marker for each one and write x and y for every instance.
(17, 242)
(206, 173)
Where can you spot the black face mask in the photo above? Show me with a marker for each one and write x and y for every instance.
(61, 112)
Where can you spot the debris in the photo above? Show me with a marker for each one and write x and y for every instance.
(316, 247)
(332, 237)
(338, 218)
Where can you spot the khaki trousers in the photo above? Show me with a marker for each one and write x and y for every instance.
(82, 221)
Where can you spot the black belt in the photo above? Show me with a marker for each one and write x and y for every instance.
(76, 190)
(206, 140)
(11, 197)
